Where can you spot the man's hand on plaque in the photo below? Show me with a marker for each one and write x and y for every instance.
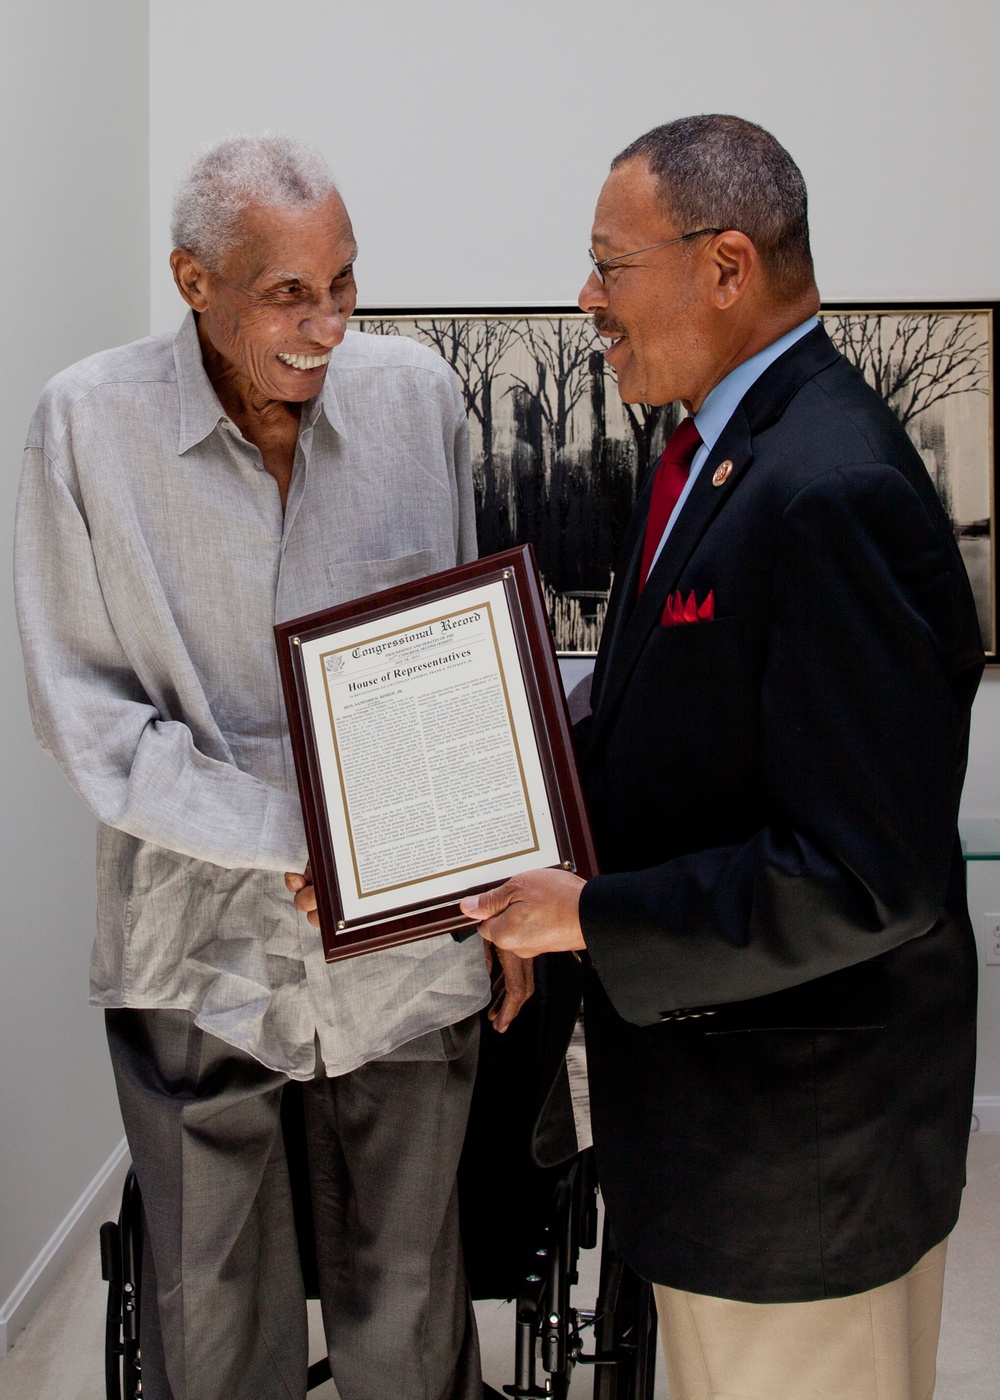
(538, 912)
(301, 886)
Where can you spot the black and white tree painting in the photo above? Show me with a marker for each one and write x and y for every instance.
(934, 369)
(558, 459)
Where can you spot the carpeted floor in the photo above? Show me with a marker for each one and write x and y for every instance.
(59, 1355)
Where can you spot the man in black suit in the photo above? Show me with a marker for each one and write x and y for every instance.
(781, 973)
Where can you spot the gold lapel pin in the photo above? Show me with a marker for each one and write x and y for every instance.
(722, 473)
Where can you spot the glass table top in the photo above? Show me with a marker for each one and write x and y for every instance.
(980, 838)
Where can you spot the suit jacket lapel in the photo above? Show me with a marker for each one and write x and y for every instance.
(631, 627)
(626, 627)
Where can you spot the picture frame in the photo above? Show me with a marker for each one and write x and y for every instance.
(558, 460)
(396, 703)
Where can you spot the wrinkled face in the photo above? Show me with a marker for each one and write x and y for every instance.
(278, 307)
(652, 307)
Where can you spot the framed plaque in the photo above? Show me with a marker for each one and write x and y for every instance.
(432, 749)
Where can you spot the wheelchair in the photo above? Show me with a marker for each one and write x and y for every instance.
(549, 1330)
(528, 1206)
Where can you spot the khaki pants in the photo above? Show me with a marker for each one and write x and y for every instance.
(879, 1345)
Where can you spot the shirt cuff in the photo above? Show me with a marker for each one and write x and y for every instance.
(282, 843)
(621, 957)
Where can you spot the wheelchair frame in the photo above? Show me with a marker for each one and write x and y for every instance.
(549, 1329)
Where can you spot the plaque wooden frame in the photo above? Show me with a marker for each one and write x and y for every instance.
(551, 734)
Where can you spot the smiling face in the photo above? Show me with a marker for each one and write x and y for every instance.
(269, 318)
(654, 308)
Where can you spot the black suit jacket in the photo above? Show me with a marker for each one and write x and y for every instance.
(780, 1017)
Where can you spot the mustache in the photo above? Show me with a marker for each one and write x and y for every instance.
(607, 325)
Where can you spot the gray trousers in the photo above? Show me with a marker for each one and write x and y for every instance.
(223, 1309)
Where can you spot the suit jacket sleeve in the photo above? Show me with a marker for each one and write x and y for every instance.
(863, 727)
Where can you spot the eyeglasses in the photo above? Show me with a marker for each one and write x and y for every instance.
(599, 267)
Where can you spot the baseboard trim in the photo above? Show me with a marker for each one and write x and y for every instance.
(986, 1114)
(83, 1219)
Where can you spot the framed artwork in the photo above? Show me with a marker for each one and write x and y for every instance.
(557, 458)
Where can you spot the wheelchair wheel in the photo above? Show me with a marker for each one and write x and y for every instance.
(121, 1269)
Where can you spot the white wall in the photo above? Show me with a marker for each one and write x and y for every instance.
(471, 138)
(470, 141)
(981, 798)
(74, 248)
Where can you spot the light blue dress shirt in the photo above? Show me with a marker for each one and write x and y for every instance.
(721, 404)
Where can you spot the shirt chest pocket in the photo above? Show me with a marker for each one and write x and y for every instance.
(356, 578)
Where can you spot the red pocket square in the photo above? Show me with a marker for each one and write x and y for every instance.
(678, 611)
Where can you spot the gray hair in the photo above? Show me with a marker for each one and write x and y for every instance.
(231, 174)
(723, 172)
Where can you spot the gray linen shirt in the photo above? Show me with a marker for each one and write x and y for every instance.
(152, 560)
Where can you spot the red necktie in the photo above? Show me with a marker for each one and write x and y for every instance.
(671, 478)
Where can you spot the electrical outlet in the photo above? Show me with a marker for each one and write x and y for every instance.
(991, 937)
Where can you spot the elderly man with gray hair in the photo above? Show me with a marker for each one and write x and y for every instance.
(179, 497)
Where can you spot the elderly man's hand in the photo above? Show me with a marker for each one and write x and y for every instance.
(538, 912)
(514, 986)
(301, 886)
(512, 990)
